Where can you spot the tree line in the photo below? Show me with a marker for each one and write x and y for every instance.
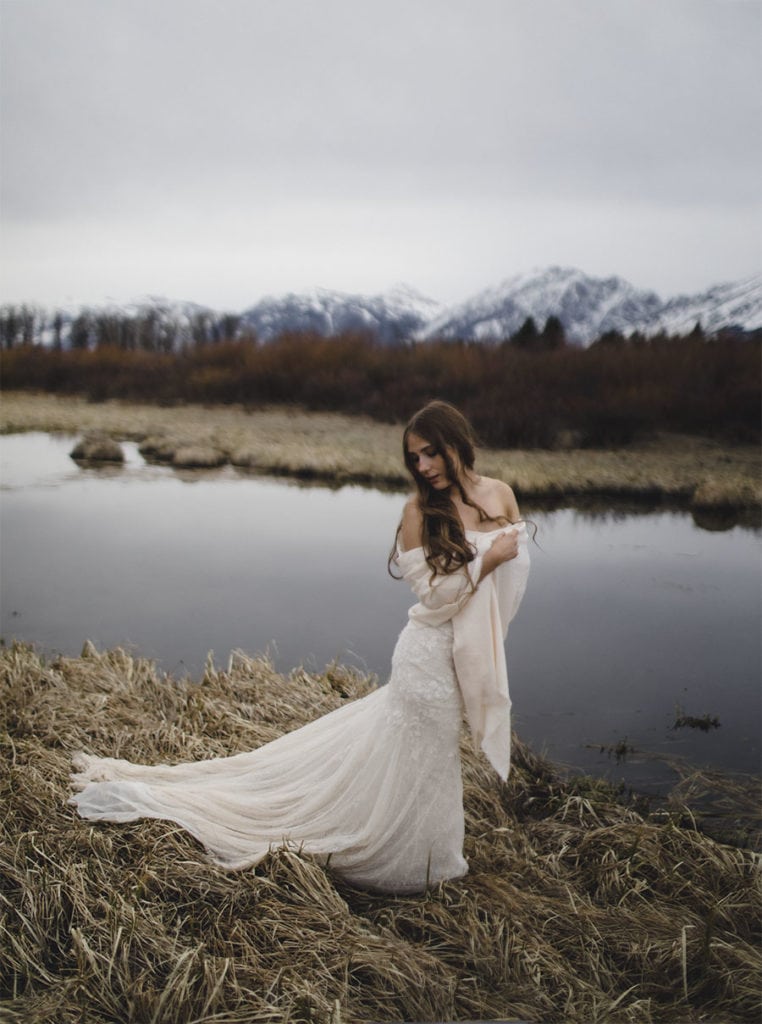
(518, 393)
(153, 328)
(148, 329)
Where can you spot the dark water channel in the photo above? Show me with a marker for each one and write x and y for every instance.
(627, 618)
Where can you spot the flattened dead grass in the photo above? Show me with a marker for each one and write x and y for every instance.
(576, 908)
(690, 471)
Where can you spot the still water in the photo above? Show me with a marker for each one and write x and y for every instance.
(627, 616)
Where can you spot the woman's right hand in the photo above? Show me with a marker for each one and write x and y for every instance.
(505, 547)
(502, 549)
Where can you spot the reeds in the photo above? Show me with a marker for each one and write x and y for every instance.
(576, 908)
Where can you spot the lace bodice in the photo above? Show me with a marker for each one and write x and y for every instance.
(480, 613)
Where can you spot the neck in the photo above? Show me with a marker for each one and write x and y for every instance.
(468, 479)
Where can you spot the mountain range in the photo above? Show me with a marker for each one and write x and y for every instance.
(587, 307)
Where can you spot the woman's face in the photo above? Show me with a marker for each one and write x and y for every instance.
(428, 461)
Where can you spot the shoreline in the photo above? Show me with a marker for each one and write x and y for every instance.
(687, 472)
(576, 907)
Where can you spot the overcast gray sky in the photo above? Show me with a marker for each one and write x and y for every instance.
(221, 150)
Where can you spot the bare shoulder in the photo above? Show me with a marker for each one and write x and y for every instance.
(500, 496)
(412, 524)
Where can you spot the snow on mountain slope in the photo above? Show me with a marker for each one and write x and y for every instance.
(177, 320)
(587, 306)
(394, 315)
(734, 304)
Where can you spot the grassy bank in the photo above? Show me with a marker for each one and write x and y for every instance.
(689, 471)
(576, 908)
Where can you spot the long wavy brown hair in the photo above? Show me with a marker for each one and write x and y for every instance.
(445, 546)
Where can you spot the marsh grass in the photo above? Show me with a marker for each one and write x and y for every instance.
(576, 908)
(702, 722)
(694, 472)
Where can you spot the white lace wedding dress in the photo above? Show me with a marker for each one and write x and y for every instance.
(375, 786)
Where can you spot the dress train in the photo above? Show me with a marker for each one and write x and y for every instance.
(373, 787)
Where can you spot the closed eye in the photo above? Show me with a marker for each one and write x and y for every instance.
(430, 453)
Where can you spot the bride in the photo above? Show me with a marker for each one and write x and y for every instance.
(375, 786)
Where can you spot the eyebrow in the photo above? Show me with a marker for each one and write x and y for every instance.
(414, 451)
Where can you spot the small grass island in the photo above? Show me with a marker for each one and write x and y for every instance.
(696, 473)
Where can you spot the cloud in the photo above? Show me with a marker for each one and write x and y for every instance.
(257, 125)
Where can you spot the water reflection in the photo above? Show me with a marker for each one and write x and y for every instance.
(630, 613)
(619, 509)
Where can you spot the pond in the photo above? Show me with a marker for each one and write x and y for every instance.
(629, 620)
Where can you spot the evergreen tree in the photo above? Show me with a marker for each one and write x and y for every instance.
(527, 335)
(553, 335)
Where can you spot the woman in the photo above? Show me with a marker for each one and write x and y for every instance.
(375, 786)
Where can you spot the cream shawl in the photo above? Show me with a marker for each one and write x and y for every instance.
(480, 614)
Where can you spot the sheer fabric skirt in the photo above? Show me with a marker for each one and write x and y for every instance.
(375, 785)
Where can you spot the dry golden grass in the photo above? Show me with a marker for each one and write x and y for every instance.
(692, 471)
(576, 909)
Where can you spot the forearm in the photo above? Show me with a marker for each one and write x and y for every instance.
(490, 562)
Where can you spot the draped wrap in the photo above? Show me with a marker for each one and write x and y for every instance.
(480, 615)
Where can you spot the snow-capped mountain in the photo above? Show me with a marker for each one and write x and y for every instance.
(590, 306)
(179, 322)
(736, 304)
(180, 311)
(392, 316)
(586, 306)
